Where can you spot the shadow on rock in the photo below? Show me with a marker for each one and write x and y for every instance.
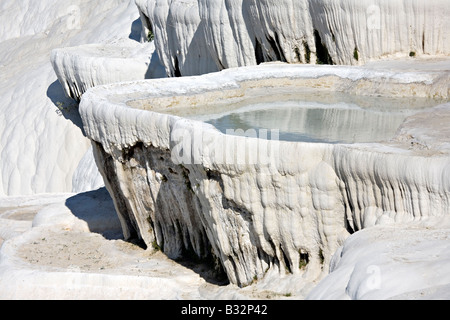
(65, 107)
(97, 209)
(136, 30)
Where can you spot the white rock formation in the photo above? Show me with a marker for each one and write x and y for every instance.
(82, 67)
(178, 34)
(41, 143)
(400, 261)
(29, 19)
(259, 205)
(44, 235)
(196, 36)
(56, 248)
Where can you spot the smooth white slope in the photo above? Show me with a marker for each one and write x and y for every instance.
(40, 146)
(408, 261)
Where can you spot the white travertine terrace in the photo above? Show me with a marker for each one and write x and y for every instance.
(82, 67)
(258, 205)
(40, 146)
(258, 219)
(198, 36)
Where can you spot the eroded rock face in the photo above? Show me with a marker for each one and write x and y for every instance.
(144, 180)
(198, 36)
(257, 205)
(251, 217)
(86, 66)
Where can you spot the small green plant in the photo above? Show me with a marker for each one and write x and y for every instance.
(187, 181)
(321, 256)
(303, 264)
(412, 54)
(307, 52)
(155, 246)
(356, 54)
(304, 260)
(64, 108)
(150, 36)
(297, 54)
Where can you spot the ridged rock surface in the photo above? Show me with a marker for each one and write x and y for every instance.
(86, 66)
(256, 205)
(198, 36)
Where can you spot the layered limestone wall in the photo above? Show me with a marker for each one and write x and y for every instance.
(82, 67)
(254, 205)
(198, 36)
